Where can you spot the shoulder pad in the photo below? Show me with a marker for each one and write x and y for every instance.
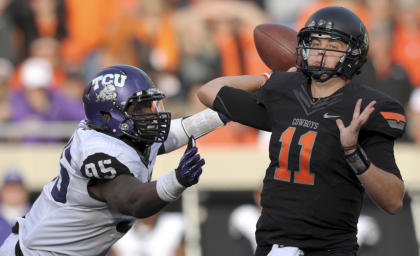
(280, 82)
(283, 79)
(388, 118)
(103, 166)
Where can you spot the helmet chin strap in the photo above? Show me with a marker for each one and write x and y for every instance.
(321, 76)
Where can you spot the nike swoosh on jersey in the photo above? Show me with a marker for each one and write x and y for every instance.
(326, 115)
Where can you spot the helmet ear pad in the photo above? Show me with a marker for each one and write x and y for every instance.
(352, 66)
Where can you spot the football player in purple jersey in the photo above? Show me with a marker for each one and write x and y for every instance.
(104, 174)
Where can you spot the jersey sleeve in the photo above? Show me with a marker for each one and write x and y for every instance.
(380, 151)
(388, 118)
(103, 157)
(263, 94)
(386, 124)
(242, 107)
(102, 166)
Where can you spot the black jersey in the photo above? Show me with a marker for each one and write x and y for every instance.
(311, 198)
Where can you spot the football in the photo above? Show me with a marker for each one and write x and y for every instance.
(276, 45)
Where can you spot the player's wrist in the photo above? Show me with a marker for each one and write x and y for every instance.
(357, 160)
(349, 149)
(168, 187)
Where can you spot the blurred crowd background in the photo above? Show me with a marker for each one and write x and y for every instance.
(50, 50)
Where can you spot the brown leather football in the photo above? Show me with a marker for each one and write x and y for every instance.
(276, 45)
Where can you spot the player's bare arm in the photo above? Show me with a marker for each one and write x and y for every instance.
(129, 196)
(207, 93)
(385, 188)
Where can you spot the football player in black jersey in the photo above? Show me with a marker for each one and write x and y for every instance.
(331, 140)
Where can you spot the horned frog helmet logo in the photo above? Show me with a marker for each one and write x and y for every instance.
(107, 93)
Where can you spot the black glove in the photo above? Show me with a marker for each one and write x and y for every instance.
(189, 169)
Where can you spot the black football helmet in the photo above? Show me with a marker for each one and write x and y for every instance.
(336, 23)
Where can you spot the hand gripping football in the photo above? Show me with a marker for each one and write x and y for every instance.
(276, 45)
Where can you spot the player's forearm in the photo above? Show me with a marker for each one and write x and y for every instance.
(145, 202)
(208, 92)
(386, 189)
(129, 196)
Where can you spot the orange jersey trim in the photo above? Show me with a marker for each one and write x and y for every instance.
(394, 116)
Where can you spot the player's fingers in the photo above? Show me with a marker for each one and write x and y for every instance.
(189, 153)
(340, 124)
(367, 112)
(199, 164)
(292, 69)
(369, 108)
(196, 175)
(192, 160)
(356, 112)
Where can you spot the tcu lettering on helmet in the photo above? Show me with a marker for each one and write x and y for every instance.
(109, 96)
(336, 23)
(114, 79)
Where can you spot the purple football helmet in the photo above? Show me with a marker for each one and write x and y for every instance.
(122, 101)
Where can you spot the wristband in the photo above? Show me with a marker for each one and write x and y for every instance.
(350, 147)
(358, 161)
(168, 188)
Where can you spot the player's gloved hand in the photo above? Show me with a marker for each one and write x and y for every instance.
(189, 169)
